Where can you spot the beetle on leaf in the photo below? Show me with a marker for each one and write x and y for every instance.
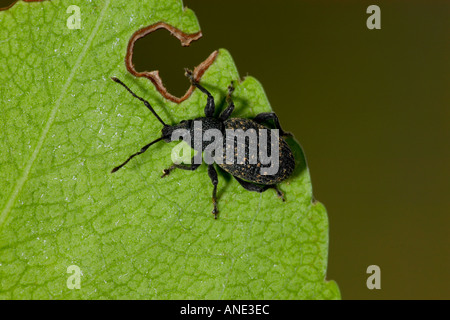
(247, 173)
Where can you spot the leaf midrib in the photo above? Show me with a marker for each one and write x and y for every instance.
(21, 181)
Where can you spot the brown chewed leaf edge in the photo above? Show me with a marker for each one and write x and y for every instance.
(153, 76)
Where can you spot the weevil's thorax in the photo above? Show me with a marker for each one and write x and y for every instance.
(195, 128)
(206, 123)
(199, 128)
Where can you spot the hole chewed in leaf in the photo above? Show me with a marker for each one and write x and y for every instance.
(153, 76)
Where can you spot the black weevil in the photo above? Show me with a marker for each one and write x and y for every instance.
(245, 173)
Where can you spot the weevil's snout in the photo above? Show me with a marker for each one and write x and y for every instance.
(167, 133)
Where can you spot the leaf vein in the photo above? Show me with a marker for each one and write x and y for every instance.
(21, 181)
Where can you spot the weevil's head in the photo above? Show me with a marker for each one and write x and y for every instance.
(177, 131)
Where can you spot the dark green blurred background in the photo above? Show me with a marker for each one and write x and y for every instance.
(371, 109)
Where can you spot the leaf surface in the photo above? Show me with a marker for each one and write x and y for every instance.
(65, 125)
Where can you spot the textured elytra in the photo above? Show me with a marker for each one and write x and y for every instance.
(255, 172)
(133, 235)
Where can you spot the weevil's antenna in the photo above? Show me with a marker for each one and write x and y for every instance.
(137, 153)
(147, 104)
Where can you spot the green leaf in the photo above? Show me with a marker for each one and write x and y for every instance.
(65, 125)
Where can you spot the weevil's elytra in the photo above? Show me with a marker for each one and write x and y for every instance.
(248, 172)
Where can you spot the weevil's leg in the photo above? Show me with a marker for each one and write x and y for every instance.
(135, 154)
(191, 167)
(280, 194)
(213, 176)
(227, 112)
(210, 106)
(262, 117)
(259, 188)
